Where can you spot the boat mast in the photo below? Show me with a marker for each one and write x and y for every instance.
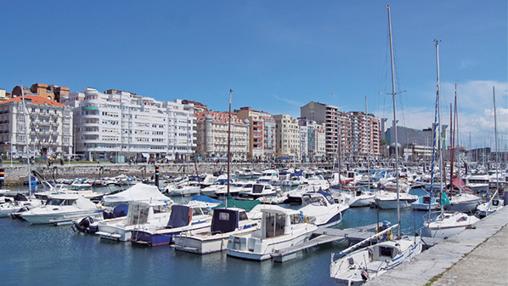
(339, 149)
(394, 93)
(450, 149)
(440, 142)
(368, 151)
(27, 144)
(495, 137)
(229, 144)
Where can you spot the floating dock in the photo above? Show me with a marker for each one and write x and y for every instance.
(324, 236)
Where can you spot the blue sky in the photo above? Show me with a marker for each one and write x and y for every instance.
(276, 55)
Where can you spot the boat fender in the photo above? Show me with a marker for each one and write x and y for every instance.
(365, 275)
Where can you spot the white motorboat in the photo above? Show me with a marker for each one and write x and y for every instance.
(478, 183)
(269, 177)
(247, 174)
(447, 224)
(362, 198)
(280, 228)
(139, 214)
(368, 263)
(62, 208)
(261, 190)
(236, 188)
(138, 192)
(317, 181)
(64, 190)
(17, 204)
(491, 206)
(187, 188)
(293, 181)
(191, 217)
(225, 222)
(323, 209)
(388, 200)
(295, 196)
(463, 202)
(220, 184)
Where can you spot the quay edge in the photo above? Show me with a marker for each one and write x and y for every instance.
(429, 266)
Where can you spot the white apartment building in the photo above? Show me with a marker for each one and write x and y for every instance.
(315, 139)
(304, 143)
(287, 137)
(212, 136)
(120, 126)
(49, 127)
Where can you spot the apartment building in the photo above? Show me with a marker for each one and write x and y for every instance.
(118, 125)
(261, 133)
(314, 140)
(324, 114)
(35, 126)
(49, 91)
(212, 136)
(365, 134)
(287, 137)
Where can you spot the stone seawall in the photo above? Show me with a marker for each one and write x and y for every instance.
(16, 175)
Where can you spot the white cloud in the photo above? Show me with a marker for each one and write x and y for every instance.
(475, 112)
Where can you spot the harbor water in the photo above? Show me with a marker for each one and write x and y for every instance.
(55, 255)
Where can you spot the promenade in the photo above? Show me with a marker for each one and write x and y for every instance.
(474, 257)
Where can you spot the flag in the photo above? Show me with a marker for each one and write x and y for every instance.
(444, 199)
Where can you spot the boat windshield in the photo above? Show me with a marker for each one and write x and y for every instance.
(59, 202)
(315, 200)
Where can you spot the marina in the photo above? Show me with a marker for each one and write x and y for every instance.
(258, 143)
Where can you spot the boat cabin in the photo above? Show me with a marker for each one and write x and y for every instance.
(277, 221)
(181, 215)
(227, 220)
(139, 212)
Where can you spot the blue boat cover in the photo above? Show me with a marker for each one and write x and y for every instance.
(224, 220)
(206, 199)
(120, 210)
(180, 216)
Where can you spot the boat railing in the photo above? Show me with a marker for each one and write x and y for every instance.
(338, 255)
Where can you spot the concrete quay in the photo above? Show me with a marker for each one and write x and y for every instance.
(17, 174)
(474, 257)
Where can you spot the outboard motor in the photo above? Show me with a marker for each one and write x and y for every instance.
(86, 225)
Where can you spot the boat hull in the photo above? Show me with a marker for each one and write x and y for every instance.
(237, 247)
(392, 204)
(55, 218)
(463, 207)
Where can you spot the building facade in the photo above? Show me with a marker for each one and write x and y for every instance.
(119, 126)
(261, 133)
(287, 137)
(313, 140)
(365, 134)
(52, 92)
(212, 136)
(35, 126)
(328, 115)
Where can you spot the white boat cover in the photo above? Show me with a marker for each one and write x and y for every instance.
(84, 203)
(139, 192)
